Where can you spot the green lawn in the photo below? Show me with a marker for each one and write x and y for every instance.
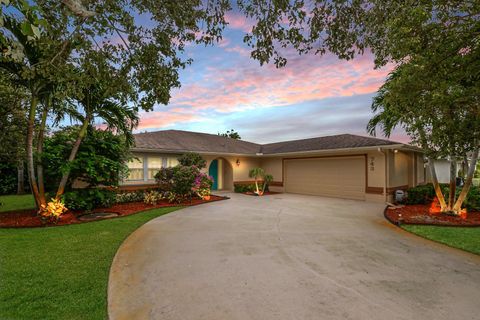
(464, 238)
(62, 272)
(8, 203)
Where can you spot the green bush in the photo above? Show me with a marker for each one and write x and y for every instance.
(192, 159)
(425, 194)
(242, 188)
(132, 196)
(184, 179)
(422, 194)
(164, 178)
(472, 202)
(88, 199)
(8, 178)
(101, 158)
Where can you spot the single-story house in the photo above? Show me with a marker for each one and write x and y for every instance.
(346, 165)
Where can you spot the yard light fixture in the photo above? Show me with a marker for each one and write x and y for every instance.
(395, 151)
(238, 162)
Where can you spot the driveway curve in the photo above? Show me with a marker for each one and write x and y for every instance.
(288, 257)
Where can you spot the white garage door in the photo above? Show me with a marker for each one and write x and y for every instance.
(342, 177)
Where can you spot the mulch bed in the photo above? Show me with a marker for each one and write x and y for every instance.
(29, 218)
(420, 214)
(267, 193)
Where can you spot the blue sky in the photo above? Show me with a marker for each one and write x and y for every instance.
(312, 96)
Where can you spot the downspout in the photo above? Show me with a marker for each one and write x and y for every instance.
(385, 181)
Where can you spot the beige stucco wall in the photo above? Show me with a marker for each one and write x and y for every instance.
(398, 166)
(376, 169)
(420, 169)
(274, 167)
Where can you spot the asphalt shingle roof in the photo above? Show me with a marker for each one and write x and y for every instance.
(182, 141)
(341, 141)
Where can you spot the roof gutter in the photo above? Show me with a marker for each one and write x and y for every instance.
(259, 154)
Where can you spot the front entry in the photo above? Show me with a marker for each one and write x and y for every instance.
(213, 172)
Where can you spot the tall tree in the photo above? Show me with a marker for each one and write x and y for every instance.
(232, 134)
(42, 41)
(439, 111)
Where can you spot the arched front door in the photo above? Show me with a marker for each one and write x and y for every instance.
(213, 172)
(221, 171)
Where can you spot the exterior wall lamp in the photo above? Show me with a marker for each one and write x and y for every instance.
(238, 162)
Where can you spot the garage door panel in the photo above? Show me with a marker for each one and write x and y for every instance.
(334, 177)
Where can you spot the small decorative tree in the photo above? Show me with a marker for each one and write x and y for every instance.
(267, 178)
(256, 173)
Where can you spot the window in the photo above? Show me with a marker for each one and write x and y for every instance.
(135, 167)
(172, 162)
(154, 165)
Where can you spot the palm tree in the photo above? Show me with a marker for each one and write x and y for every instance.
(97, 102)
(256, 173)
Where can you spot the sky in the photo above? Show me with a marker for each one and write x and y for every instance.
(311, 96)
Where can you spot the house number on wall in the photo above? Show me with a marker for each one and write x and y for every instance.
(371, 163)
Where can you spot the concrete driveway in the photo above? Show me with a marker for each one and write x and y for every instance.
(288, 257)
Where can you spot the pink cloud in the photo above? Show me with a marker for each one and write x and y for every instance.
(162, 119)
(245, 85)
(238, 21)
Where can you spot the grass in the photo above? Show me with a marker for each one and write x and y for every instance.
(14, 202)
(62, 272)
(465, 238)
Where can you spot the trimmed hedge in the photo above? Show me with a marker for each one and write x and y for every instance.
(424, 194)
(89, 199)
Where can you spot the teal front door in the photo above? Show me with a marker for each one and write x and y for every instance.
(213, 172)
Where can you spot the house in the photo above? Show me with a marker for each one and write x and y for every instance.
(346, 165)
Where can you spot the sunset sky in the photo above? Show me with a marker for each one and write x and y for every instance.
(312, 96)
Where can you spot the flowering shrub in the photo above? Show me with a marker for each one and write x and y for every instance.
(183, 180)
(202, 185)
(52, 210)
(152, 197)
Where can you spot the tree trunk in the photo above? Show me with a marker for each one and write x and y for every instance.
(468, 183)
(436, 185)
(73, 154)
(20, 177)
(453, 184)
(41, 135)
(256, 186)
(31, 166)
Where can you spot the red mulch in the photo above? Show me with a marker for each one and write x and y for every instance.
(266, 193)
(420, 214)
(29, 218)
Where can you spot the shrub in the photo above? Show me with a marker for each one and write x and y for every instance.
(8, 178)
(152, 197)
(52, 210)
(101, 158)
(183, 180)
(472, 202)
(192, 159)
(242, 188)
(422, 194)
(202, 185)
(164, 178)
(88, 199)
(134, 196)
(172, 197)
(425, 194)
